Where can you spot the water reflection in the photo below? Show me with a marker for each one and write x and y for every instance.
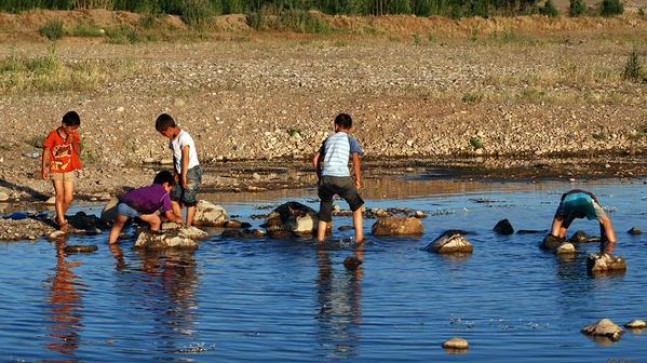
(340, 314)
(66, 305)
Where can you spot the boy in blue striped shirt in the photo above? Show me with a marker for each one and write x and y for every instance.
(331, 165)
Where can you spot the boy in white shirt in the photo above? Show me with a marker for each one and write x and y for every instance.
(187, 167)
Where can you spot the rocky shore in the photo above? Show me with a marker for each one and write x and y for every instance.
(516, 106)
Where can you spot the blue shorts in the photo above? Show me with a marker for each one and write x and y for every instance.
(188, 196)
(128, 211)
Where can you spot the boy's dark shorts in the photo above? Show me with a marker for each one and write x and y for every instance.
(188, 196)
(344, 186)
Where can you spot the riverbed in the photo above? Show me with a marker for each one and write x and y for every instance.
(292, 301)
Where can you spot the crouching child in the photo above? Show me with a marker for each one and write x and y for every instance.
(146, 203)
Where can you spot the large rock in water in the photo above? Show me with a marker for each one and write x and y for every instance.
(109, 212)
(602, 263)
(396, 226)
(208, 214)
(291, 219)
(550, 242)
(451, 241)
(604, 328)
(504, 227)
(86, 222)
(183, 238)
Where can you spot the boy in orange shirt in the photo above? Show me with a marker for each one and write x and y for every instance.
(61, 157)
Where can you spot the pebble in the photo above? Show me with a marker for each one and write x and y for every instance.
(456, 343)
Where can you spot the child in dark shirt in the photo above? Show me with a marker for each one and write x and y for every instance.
(146, 203)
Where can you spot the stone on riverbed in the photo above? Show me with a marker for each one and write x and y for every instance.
(291, 219)
(604, 328)
(635, 231)
(451, 241)
(582, 237)
(456, 343)
(550, 242)
(504, 227)
(167, 239)
(565, 248)
(397, 226)
(210, 215)
(80, 249)
(636, 324)
(602, 262)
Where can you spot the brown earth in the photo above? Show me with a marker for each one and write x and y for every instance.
(498, 98)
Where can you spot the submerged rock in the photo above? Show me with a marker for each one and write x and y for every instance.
(86, 222)
(291, 219)
(167, 239)
(352, 263)
(551, 242)
(636, 324)
(451, 241)
(604, 328)
(396, 226)
(208, 214)
(456, 343)
(635, 231)
(602, 262)
(565, 248)
(80, 249)
(504, 227)
(582, 237)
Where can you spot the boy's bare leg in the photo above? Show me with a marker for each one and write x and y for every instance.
(190, 213)
(358, 223)
(59, 205)
(321, 231)
(68, 196)
(153, 220)
(120, 222)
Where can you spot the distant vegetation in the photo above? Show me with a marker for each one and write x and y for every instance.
(198, 11)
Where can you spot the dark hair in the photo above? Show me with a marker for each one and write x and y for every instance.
(164, 121)
(71, 119)
(344, 120)
(164, 176)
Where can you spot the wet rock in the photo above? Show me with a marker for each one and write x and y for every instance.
(232, 233)
(291, 219)
(396, 226)
(604, 328)
(57, 235)
(165, 239)
(80, 249)
(530, 231)
(635, 231)
(352, 263)
(451, 241)
(84, 222)
(550, 242)
(456, 343)
(582, 237)
(602, 262)
(210, 215)
(51, 201)
(565, 248)
(109, 212)
(4, 197)
(636, 324)
(233, 223)
(504, 227)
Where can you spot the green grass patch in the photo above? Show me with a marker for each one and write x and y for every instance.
(52, 30)
(86, 31)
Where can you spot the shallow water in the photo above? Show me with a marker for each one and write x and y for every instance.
(280, 301)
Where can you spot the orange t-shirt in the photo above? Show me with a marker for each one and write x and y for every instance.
(64, 152)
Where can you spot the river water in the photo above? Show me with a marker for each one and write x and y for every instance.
(293, 301)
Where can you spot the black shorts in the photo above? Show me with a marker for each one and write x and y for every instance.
(344, 186)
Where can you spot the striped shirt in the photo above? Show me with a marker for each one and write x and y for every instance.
(335, 153)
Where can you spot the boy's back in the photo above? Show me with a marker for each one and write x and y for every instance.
(335, 153)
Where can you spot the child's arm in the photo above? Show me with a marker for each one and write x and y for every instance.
(172, 217)
(46, 160)
(317, 164)
(357, 169)
(185, 166)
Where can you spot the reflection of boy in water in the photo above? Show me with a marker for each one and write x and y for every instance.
(580, 204)
(66, 305)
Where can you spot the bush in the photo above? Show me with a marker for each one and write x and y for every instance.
(576, 8)
(549, 9)
(86, 31)
(53, 29)
(611, 8)
(196, 12)
(633, 68)
(302, 22)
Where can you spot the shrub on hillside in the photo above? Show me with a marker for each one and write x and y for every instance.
(633, 68)
(611, 8)
(549, 9)
(576, 8)
(53, 29)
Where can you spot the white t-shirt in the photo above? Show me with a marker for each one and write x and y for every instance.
(184, 139)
